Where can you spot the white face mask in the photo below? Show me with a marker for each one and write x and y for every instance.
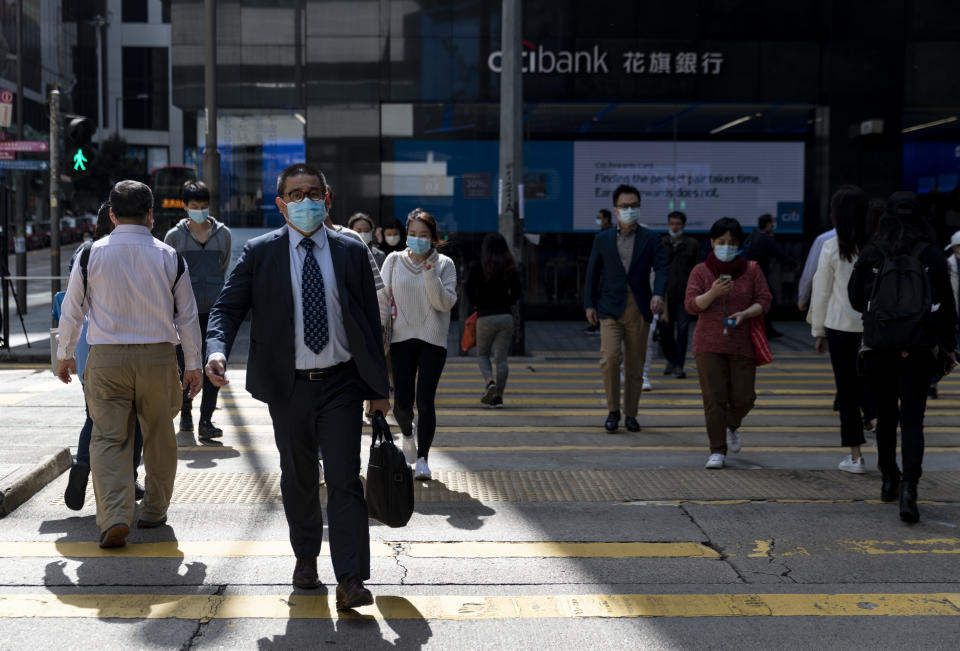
(599, 222)
(676, 234)
(392, 240)
(366, 237)
(629, 215)
(725, 252)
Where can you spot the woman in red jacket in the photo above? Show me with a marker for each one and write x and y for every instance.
(725, 292)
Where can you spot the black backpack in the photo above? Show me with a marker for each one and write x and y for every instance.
(898, 310)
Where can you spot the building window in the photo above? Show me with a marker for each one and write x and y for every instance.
(135, 11)
(165, 12)
(146, 88)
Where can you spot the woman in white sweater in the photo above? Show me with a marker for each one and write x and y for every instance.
(835, 323)
(420, 287)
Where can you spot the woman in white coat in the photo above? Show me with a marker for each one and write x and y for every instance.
(835, 324)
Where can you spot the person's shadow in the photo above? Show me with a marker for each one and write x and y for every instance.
(310, 615)
(206, 458)
(462, 511)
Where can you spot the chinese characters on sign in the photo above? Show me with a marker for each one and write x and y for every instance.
(667, 63)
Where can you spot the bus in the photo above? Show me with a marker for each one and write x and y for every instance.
(166, 183)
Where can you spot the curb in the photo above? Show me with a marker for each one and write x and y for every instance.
(25, 484)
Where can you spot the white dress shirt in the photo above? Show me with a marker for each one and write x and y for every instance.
(337, 349)
(805, 286)
(130, 297)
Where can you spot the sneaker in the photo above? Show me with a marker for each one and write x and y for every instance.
(496, 403)
(410, 448)
(76, 491)
(489, 393)
(849, 465)
(715, 461)
(422, 471)
(733, 440)
(592, 330)
(646, 385)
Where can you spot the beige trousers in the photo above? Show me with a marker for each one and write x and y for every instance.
(624, 340)
(125, 383)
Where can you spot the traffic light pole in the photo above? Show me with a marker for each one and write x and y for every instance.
(211, 155)
(20, 212)
(55, 208)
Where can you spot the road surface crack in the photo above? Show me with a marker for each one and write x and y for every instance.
(398, 549)
(202, 624)
(712, 545)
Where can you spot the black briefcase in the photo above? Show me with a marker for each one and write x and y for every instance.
(389, 478)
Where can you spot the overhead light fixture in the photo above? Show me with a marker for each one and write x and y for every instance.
(724, 127)
(300, 117)
(927, 125)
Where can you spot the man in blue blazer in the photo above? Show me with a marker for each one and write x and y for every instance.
(316, 353)
(619, 298)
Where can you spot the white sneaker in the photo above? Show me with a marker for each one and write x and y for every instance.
(410, 449)
(733, 440)
(423, 470)
(646, 385)
(715, 461)
(323, 479)
(849, 465)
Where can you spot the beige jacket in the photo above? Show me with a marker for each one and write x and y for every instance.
(829, 304)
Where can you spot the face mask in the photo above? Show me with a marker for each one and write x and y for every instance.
(198, 215)
(366, 237)
(392, 240)
(599, 222)
(307, 215)
(725, 252)
(419, 245)
(629, 215)
(676, 234)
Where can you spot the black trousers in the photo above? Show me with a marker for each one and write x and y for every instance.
(324, 414)
(417, 367)
(210, 391)
(851, 385)
(900, 386)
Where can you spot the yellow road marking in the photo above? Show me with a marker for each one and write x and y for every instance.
(276, 548)
(205, 607)
(698, 449)
(646, 401)
(10, 399)
(911, 547)
(645, 412)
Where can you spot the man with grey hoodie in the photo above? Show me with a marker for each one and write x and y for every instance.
(205, 244)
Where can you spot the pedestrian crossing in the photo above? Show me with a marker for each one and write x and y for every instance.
(535, 513)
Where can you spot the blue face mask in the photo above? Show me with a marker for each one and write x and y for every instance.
(419, 245)
(307, 215)
(725, 252)
(198, 215)
(629, 216)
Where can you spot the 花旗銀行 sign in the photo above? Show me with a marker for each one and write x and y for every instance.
(594, 60)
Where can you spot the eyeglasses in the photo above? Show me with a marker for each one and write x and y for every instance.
(299, 195)
(621, 206)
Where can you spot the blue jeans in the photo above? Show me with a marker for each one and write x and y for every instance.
(83, 445)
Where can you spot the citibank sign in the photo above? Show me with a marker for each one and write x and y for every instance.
(538, 60)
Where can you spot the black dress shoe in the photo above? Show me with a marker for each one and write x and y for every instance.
(631, 424)
(76, 491)
(186, 421)
(207, 430)
(151, 524)
(613, 421)
(680, 375)
(115, 536)
(352, 594)
(890, 488)
(138, 491)
(908, 503)
(305, 574)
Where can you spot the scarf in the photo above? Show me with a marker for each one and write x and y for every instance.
(735, 268)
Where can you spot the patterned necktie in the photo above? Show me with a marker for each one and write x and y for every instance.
(315, 331)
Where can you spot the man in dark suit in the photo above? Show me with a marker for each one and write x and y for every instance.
(618, 297)
(316, 353)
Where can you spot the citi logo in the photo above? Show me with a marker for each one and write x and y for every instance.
(538, 60)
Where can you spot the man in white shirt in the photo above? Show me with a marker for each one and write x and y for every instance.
(136, 293)
(805, 286)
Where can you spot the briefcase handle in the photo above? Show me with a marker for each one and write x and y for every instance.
(381, 429)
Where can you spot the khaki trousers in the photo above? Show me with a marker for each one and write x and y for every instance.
(624, 340)
(727, 383)
(123, 384)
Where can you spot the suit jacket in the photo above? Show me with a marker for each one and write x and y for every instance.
(261, 282)
(607, 283)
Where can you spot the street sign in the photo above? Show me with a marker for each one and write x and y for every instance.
(25, 145)
(30, 165)
(6, 108)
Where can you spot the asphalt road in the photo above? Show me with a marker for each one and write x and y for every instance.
(539, 531)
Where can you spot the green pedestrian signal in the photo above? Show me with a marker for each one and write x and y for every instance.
(79, 161)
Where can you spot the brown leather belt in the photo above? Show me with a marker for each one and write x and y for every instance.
(317, 374)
